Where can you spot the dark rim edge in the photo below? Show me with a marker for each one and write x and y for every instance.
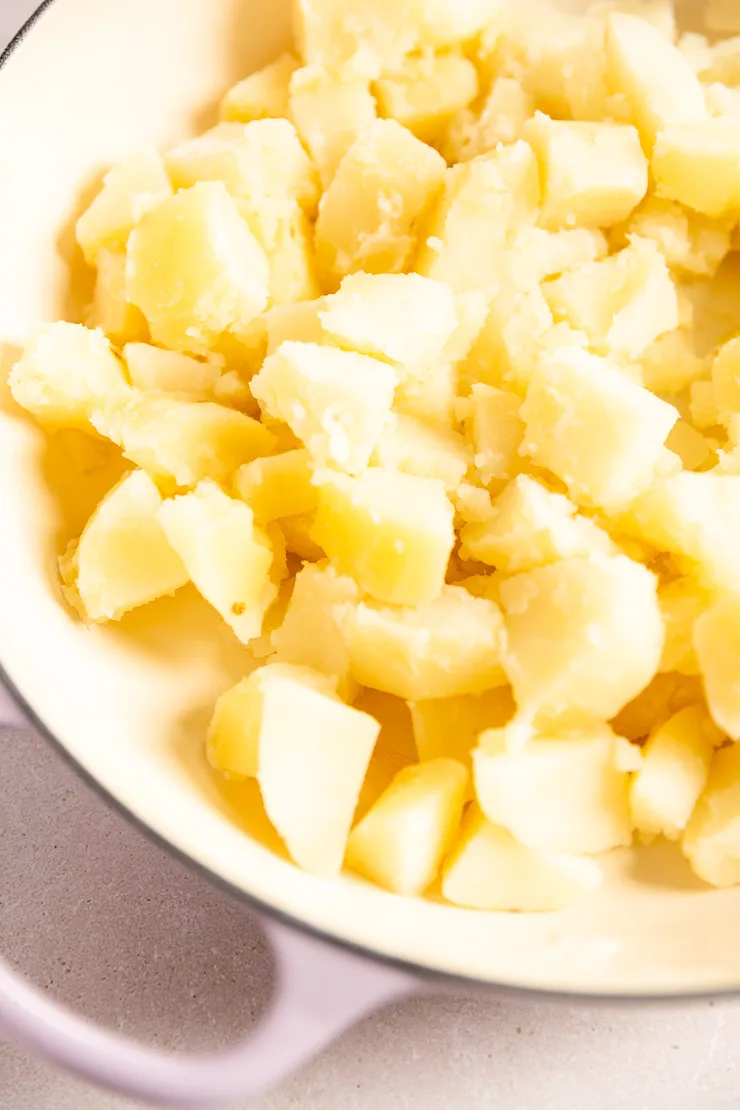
(448, 980)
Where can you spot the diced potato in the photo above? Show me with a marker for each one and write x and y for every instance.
(489, 870)
(658, 82)
(584, 635)
(484, 203)
(697, 518)
(698, 164)
(531, 527)
(711, 842)
(232, 390)
(682, 602)
(593, 174)
(673, 774)
(373, 37)
(262, 95)
(261, 160)
(501, 119)
(401, 841)
(722, 100)
(182, 442)
(65, 371)
(660, 13)
(447, 22)
(717, 645)
(691, 447)
(370, 212)
(392, 532)
(440, 649)
(540, 254)
(285, 234)
(623, 302)
(601, 433)
(195, 269)
(426, 91)
(152, 368)
(562, 792)
(725, 63)
(402, 317)
(664, 695)
(518, 323)
(299, 323)
(110, 310)
(329, 112)
(417, 448)
(722, 15)
(130, 190)
(242, 350)
(703, 405)
(310, 634)
(229, 560)
(432, 398)
(335, 401)
(278, 486)
(448, 728)
(310, 753)
(692, 245)
(123, 558)
(726, 380)
(492, 421)
(671, 363)
(298, 535)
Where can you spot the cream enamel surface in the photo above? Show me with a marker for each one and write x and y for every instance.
(130, 703)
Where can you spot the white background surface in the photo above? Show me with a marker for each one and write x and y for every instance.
(101, 918)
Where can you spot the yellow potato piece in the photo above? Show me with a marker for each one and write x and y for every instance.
(717, 645)
(123, 558)
(130, 189)
(376, 37)
(671, 363)
(711, 842)
(489, 870)
(691, 244)
(262, 95)
(682, 602)
(698, 164)
(448, 728)
(278, 486)
(426, 91)
(329, 111)
(392, 532)
(518, 325)
(153, 368)
(726, 380)
(493, 423)
(585, 636)
(298, 323)
(448, 22)
(401, 841)
(110, 311)
(285, 233)
(500, 119)
(417, 448)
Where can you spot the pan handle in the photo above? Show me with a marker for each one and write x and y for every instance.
(319, 991)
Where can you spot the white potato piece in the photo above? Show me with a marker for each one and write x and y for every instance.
(448, 728)
(376, 36)
(717, 644)
(426, 91)
(329, 110)
(153, 368)
(501, 119)
(417, 448)
(585, 636)
(129, 191)
(110, 310)
(278, 486)
(711, 842)
(682, 602)
(448, 22)
(726, 380)
(692, 245)
(401, 841)
(297, 323)
(261, 95)
(518, 325)
(698, 164)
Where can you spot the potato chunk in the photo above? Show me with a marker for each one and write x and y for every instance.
(130, 190)
(229, 560)
(152, 368)
(392, 532)
(682, 602)
(123, 558)
(448, 728)
(584, 636)
(692, 245)
(329, 112)
(310, 753)
(182, 442)
(370, 212)
(373, 37)
(726, 380)
(711, 842)
(440, 649)
(417, 448)
(698, 164)
(593, 174)
(717, 644)
(530, 527)
(493, 423)
(195, 269)
(65, 372)
(285, 233)
(601, 433)
(501, 119)
(426, 91)
(658, 82)
(335, 401)
(518, 323)
(401, 841)
(261, 95)
(489, 870)
(110, 310)
(673, 774)
(560, 792)
(278, 486)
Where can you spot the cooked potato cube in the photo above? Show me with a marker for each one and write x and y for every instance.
(673, 774)
(285, 234)
(123, 558)
(299, 323)
(484, 203)
(278, 486)
(440, 649)
(329, 112)
(129, 191)
(110, 310)
(692, 245)
(561, 792)
(370, 212)
(373, 37)
(722, 15)
(401, 841)
(703, 405)
(65, 371)
(298, 535)
(262, 95)
(492, 421)
(232, 390)
(666, 694)
(593, 174)
(682, 602)
(448, 728)
(698, 164)
(501, 119)
(392, 532)
(259, 160)
(540, 254)
(310, 753)
(584, 635)
(335, 401)
(658, 82)
(426, 91)
(431, 399)
(310, 634)
(717, 645)
(531, 527)
(690, 446)
(726, 380)
(417, 448)
(182, 442)
(518, 323)
(711, 842)
(725, 62)
(229, 560)
(195, 269)
(671, 363)
(448, 22)
(489, 870)
(152, 368)
(601, 433)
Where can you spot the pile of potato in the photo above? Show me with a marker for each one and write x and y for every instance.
(407, 355)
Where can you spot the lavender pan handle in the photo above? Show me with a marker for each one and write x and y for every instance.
(319, 991)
